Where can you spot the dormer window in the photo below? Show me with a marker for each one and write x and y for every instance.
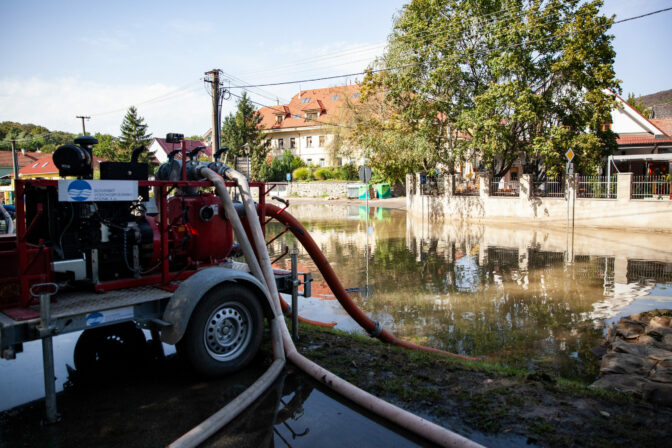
(335, 97)
(305, 100)
(278, 119)
(311, 116)
(296, 116)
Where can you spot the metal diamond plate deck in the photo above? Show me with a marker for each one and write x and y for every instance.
(73, 303)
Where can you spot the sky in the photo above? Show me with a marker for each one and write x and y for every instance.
(66, 59)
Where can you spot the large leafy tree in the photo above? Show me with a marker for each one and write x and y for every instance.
(496, 81)
(243, 136)
(133, 133)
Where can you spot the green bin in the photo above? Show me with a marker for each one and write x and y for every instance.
(383, 191)
(363, 192)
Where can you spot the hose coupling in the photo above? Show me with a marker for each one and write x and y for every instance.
(376, 330)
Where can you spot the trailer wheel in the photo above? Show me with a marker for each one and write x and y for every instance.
(224, 332)
(110, 348)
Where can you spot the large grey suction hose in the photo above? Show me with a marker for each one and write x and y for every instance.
(8, 220)
(407, 420)
(215, 422)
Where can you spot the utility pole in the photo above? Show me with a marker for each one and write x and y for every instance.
(213, 79)
(14, 161)
(83, 126)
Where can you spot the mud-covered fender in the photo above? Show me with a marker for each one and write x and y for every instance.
(189, 293)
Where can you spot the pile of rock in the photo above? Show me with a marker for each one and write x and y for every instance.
(637, 356)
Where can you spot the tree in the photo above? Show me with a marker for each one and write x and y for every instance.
(133, 134)
(243, 128)
(497, 81)
(107, 147)
(637, 104)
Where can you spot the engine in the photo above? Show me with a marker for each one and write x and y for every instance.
(110, 229)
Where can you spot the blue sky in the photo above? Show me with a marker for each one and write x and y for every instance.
(62, 59)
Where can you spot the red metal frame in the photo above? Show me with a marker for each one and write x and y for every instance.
(164, 279)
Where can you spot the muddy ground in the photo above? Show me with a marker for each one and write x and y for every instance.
(148, 407)
(546, 411)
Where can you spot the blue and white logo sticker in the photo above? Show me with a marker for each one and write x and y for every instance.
(94, 319)
(79, 190)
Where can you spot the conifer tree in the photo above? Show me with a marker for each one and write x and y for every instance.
(243, 128)
(133, 133)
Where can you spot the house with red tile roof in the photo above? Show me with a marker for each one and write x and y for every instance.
(23, 158)
(160, 148)
(44, 167)
(303, 125)
(644, 145)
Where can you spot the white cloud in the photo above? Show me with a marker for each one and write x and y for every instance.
(55, 103)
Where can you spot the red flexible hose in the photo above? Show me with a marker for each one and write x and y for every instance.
(337, 287)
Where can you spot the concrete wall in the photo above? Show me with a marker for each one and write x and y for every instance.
(619, 213)
(313, 189)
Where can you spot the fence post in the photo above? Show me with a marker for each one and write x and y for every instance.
(484, 186)
(449, 185)
(623, 186)
(410, 190)
(525, 187)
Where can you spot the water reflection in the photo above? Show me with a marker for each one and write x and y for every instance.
(504, 292)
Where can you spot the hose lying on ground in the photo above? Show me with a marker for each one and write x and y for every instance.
(263, 271)
(407, 420)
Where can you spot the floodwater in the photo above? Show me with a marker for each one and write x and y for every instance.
(538, 298)
(532, 297)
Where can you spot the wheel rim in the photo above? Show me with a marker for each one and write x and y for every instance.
(227, 332)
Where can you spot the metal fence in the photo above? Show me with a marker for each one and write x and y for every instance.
(433, 186)
(549, 188)
(597, 187)
(465, 186)
(651, 187)
(499, 186)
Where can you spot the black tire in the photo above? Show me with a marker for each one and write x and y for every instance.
(224, 332)
(111, 348)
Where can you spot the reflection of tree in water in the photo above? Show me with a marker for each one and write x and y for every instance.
(520, 307)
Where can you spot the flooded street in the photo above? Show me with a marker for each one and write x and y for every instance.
(502, 292)
(507, 293)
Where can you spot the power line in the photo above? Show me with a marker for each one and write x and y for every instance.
(325, 78)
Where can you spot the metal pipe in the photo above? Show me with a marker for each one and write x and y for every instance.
(46, 330)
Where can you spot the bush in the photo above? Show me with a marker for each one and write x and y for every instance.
(347, 172)
(323, 173)
(278, 168)
(302, 173)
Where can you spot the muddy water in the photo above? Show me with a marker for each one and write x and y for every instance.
(528, 297)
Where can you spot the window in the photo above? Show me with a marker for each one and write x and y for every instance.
(305, 100)
(321, 141)
(606, 126)
(281, 143)
(278, 119)
(309, 142)
(335, 97)
(355, 95)
(36, 163)
(309, 161)
(45, 164)
(321, 162)
(296, 116)
(292, 143)
(311, 116)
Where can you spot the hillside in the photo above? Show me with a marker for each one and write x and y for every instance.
(664, 96)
